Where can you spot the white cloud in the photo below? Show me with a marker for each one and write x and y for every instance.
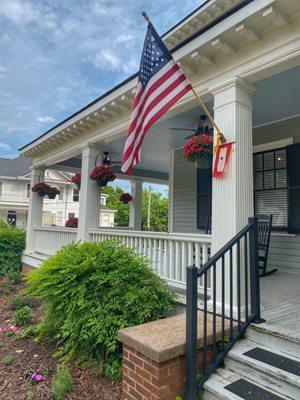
(107, 58)
(47, 119)
(124, 38)
(19, 12)
(5, 146)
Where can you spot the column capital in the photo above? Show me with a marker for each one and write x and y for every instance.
(234, 82)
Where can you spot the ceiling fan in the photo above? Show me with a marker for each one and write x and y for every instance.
(107, 160)
(202, 128)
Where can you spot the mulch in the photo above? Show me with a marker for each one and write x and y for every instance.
(39, 356)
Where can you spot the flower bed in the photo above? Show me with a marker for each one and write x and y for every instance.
(28, 369)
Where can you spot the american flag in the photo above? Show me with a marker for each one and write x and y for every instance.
(161, 83)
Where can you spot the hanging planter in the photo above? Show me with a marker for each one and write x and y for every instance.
(41, 188)
(125, 198)
(53, 192)
(72, 222)
(102, 175)
(77, 179)
(200, 151)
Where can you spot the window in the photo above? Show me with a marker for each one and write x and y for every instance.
(71, 215)
(28, 190)
(270, 186)
(75, 195)
(59, 218)
(61, 195)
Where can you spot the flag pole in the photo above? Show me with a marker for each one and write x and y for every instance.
(220, 136)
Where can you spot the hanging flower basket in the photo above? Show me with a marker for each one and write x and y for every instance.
(199, 150)
(72, 222)
(41, 188)
(102, 174)
(125, 198)
(77, 179)
(53, 192)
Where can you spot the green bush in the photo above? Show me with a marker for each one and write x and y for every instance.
(18, 301)
(12, 243)
(23, 316)
(92, 290)
(62, 382)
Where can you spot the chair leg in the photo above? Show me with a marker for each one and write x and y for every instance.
(268, 273)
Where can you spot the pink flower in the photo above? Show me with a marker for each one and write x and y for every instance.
(4, 328)
(36, 377)
(14, 328)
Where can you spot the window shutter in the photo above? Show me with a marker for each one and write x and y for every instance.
(293, 168)
(204, 192)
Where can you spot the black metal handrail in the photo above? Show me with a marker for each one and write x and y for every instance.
(238, 262)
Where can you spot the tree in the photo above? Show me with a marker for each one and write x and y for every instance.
(158, 209)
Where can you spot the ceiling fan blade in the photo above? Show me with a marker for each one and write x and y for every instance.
(182, 129)
(190, 136)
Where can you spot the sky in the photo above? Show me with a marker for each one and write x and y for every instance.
(57, 56)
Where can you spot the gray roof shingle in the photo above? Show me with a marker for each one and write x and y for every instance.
(15, 167)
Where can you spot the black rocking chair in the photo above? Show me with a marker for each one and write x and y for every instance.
(264, 225)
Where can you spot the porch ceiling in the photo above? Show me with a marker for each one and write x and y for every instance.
(275, 98)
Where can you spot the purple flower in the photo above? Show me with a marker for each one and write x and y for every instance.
(36, 377)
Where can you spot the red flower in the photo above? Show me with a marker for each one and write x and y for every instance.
(197, 147)
(72, 222)
(41, 186)
(76, 178)
(125, 198)
(102, 173)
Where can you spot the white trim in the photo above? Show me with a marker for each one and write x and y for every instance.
(171, 192)
(276, 121)
(273, 145)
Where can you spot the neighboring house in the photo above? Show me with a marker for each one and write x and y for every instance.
(243, 58)
(15, 192)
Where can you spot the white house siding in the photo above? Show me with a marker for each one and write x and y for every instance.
(284, 249)
(184, 195)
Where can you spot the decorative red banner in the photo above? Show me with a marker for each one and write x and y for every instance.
(221, 159)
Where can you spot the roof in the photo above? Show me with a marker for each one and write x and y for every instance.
(198, 33)
(15, 167)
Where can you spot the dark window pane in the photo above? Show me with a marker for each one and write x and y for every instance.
(273, 202)
(258, 181)
(280, 158)
(269, 160)
(281, 178)
(258, 162)
(269, 180)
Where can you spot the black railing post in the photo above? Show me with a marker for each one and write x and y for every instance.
(191, 348)
(254, 271)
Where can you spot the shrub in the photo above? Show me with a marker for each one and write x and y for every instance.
(18, 301)
(12, 244)
(8, 360)
(62, 382)
(92, 290)
(13, 276)
(72, 222)
(23, 316)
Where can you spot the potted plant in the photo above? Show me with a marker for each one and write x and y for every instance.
(199, 150)
(72, 222)
(41, 188)
(125, 198)
(102, 175)
(53, 192)
(77, 179)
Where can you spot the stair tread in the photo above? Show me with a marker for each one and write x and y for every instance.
(218, 384)
(243, 346)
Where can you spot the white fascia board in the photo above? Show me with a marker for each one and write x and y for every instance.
(222, 27)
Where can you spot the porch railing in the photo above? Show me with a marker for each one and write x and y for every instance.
(169, 253)
(235, 279)
(48, 240)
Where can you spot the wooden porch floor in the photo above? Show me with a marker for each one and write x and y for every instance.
(280, 298)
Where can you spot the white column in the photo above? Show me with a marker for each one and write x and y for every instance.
(90, 194)
(232, 195)
(35, 209)
(135, 216)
